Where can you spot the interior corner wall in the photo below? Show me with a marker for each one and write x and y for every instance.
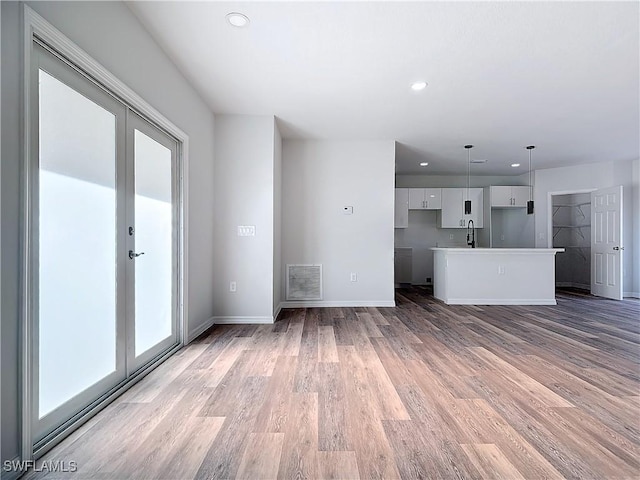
(635, 176)
(319, 179)
(593, 176)
(244, 196)
(111, 34)
(277, 220)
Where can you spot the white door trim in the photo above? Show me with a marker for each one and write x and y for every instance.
(35, 26)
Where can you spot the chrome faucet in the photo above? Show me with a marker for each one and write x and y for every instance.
(471, 239)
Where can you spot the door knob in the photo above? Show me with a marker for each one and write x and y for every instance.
(133, 254)
(618, 248)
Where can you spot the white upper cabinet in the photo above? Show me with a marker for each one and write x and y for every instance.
(425, 198)
(509, 196)
(402, 208)
(452, 214)
(521, 195)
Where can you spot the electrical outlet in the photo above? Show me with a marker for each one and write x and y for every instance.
(500, 269)
(540, 236)
(232, 286)
(451, 236)
(354, 277)
(502, 237)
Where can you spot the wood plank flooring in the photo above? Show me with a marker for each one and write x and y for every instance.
(423, 390)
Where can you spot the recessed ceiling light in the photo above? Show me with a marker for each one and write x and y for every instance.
(424, 164)
(417, 86)
(236, 19)
(515, 165)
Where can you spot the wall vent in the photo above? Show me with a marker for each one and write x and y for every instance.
(304, 282)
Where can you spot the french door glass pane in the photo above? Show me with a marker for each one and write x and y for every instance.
(153, 236)
(77, 243)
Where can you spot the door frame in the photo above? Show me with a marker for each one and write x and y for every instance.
(35, 28)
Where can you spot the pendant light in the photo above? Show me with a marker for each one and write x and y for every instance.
(467, 202)
(530, 202)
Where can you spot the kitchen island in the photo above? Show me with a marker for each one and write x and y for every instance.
(494, 276)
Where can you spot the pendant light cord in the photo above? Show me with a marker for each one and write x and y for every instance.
(468, 147)
(468, 173)
(530, 184)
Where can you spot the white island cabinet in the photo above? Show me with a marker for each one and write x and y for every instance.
(495, 276)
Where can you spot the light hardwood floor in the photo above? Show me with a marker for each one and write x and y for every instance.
(423, 390)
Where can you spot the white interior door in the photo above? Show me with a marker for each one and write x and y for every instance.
(606, 243)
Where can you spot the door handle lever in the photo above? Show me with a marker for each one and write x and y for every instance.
(133, 254)
(618, 248)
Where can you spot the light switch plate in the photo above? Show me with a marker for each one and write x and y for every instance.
(246, 230)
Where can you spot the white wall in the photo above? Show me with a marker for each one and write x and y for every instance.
(590, 177)
(244, 195)
(635, 179)
(511, 228)
(450, 181)
(277, 220)
(112, 35)
(319, 178)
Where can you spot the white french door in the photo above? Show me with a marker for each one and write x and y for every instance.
(103, 243)
(606, 243)
(152, 242)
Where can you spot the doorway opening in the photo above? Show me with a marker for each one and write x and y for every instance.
(571, 228)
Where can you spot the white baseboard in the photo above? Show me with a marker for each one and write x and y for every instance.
(277, 311)
(631, 294)
(241, 320)
(338, 304)
(199, 330)
(500, 301)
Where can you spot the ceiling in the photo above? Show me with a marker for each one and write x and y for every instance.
(563, 76)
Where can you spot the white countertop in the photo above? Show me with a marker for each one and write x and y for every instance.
(498, 250)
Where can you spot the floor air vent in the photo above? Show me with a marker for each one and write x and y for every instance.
(304, 282)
